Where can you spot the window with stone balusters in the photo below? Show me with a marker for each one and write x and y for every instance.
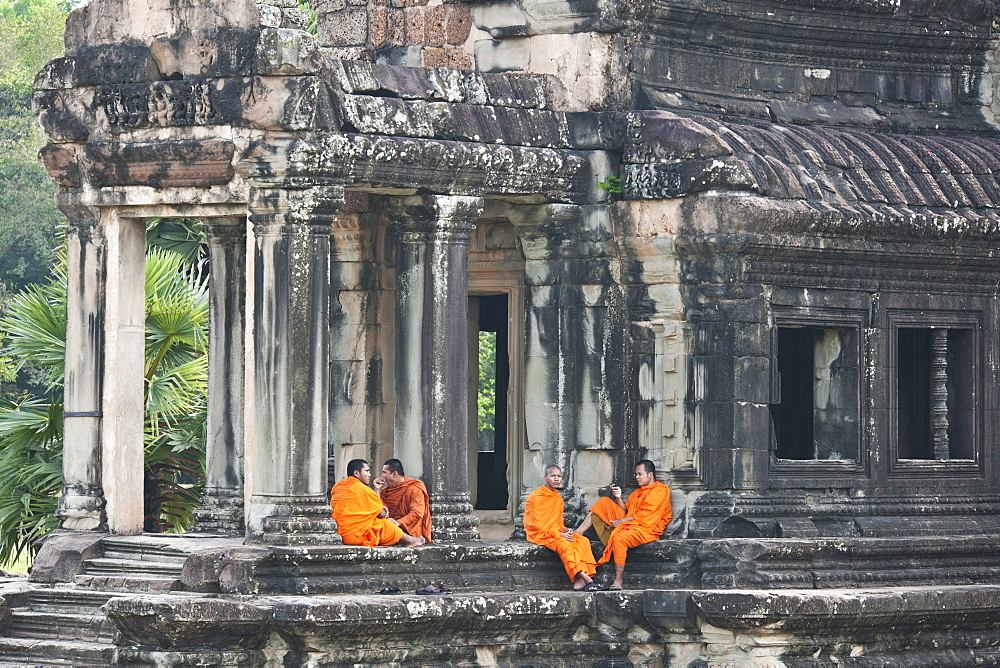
(935, 388)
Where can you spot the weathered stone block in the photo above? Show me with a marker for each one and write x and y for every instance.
(286, 52)
(413, 18)
(434, 26)
(459, 24)
(168, 623)
(63, 554)
(502, 56)
(346, 28)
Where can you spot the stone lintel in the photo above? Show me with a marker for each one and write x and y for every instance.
(160, 164)
(456, 168)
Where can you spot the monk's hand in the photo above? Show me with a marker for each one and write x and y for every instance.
(378, 483)
(617, 491)
(394, 521)
(567, 534)
(384, 513)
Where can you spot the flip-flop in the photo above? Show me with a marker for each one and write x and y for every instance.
(592, 586)
(435, 589)
(391, 590)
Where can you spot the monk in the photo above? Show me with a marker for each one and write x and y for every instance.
(543, 525)
(621, 526)
(361, 517)
(406, 499)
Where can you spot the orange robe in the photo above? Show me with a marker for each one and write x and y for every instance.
(356, 507)
(650, 508)
(409, 504)
(543, 522)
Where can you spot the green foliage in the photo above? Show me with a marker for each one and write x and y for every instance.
(176, 373)
(313, 27)
(612, 184)
(30, 473)
(183, 236)
(32, 35)
(487, 379)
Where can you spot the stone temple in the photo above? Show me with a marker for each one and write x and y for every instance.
(755, 242)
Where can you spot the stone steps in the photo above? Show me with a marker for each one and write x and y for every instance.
(127, 584)
(132, 568)
(58, 626)
(49, 652)
(125, 549)
(67, 600)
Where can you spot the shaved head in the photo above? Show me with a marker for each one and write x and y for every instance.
(548, 469)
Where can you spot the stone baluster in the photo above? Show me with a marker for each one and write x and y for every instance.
(430, 432)
(288, 455)
(939, 392)
(222, 509)
(81, 505)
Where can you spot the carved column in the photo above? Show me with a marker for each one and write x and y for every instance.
(289, 498)
(432, 346)
(81, 505)
(939, 392)
(221, 509)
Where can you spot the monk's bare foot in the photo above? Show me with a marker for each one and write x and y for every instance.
(411, 541)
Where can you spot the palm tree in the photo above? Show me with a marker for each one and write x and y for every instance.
(176, 373)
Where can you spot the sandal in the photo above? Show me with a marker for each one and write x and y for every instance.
(391, 590)
(435, 589)
(592, 586)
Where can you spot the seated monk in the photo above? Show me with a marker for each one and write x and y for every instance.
(621, 526)
(361, 517)
(406, 499)
(543, 525)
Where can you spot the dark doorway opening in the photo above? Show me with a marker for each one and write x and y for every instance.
(494, 372)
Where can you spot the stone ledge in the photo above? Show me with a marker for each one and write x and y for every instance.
(919, 624)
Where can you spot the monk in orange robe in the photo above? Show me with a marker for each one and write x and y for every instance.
(406, 499)
(543, 525)
(361, 517)
(641, 520)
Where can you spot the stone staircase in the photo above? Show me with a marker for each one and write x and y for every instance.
(63, 624)
(60, 625)
(134, 565)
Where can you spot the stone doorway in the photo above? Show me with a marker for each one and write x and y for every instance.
(496, 309)
(491, 366)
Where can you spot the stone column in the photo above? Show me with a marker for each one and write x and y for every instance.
(289, 501)
(432, 363)
(81, 505)
(221, 509)
(123, 385)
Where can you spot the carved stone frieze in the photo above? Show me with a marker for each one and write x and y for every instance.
(160, 104)
(394, 163)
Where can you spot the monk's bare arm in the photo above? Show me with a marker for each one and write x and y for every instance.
(584, 525)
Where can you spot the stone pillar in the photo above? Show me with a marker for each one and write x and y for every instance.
(123, 385)
(289, 501)
(81, 505)
(432, 363)
(221, 509)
